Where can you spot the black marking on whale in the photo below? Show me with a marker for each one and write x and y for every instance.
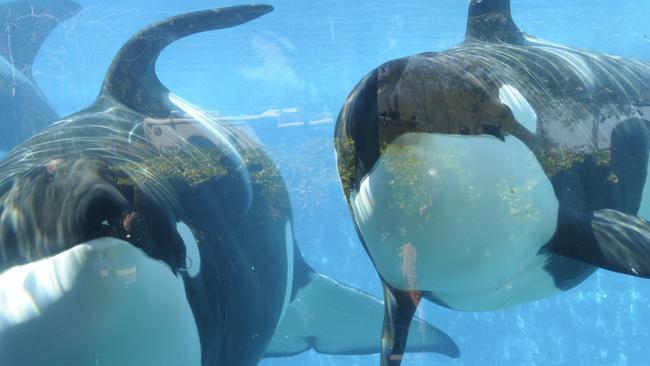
(509, 167)
(90, 248)
(24, 26)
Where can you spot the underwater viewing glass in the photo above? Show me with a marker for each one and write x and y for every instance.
(200, 183)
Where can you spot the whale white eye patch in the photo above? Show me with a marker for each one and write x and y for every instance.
(521, 109)
(193, 254)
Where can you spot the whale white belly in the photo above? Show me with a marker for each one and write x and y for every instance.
(103, 302)
(461, 217)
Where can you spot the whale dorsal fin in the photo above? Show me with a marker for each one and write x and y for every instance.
(24, 26)
(131, 78)
(491, 21)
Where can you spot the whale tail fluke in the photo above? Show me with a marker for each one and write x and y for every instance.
(332, 318)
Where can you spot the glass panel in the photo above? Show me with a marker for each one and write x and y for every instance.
(187, 186)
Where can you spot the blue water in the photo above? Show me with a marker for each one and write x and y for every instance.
(304, 58)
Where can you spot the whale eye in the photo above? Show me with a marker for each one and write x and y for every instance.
(493, 130)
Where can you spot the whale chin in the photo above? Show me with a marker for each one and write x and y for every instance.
(100, 302)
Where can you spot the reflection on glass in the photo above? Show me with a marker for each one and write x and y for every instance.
(181, 228)
(513, 167)
(145, 230)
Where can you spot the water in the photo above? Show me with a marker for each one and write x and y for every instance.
(303, 59)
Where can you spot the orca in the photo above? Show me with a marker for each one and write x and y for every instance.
(24, 26)
(143, 231)
(500, 171)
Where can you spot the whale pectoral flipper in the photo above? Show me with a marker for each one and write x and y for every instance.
(624, 242)
(608, 239)
(335, 319)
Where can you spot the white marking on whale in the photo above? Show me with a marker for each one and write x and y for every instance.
(473, 211)
(521, 109)
(288, 234)
(192, 252)
(105, 298)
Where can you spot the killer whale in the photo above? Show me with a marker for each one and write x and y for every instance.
(141, 230)
(24, 26)
(508, 169)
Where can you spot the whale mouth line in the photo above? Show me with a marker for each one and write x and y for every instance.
(101, 214)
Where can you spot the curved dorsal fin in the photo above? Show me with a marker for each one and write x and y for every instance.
(24, 26)
(131, 78)
(491, 21)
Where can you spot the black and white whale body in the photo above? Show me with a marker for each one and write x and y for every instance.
(142, 231)
(503, 170)
(24, 25)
